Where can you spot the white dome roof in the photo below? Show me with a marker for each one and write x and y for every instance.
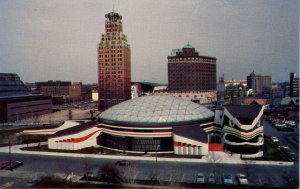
(156, 110)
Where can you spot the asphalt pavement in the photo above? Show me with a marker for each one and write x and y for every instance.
(39, 165)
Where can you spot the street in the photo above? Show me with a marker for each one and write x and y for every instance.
(37, 165)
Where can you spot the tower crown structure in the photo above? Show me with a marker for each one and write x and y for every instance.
(114, 63)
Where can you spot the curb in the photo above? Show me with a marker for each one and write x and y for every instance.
(139, 158)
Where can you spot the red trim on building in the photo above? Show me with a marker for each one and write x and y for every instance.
(81, 139)
(215, 147)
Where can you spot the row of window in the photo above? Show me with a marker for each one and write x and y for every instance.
(113, 47)
(111, 55)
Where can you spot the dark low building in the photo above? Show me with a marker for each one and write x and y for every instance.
(17, 103)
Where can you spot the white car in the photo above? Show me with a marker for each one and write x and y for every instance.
(200, 178)
(274, 139)
(227, 179)
(211, 178)
(242, 179)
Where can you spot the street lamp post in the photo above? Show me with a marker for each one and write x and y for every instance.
(9, 153)
(156, 153)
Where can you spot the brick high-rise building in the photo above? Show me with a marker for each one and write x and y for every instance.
(261, 85)
(114, 73)
(188, 71)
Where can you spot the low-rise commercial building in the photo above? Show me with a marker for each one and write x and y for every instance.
(17, 103)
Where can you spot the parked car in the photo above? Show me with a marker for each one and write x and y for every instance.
(279, 144)
(4, 164)
(294, 156)
(227, 179)
(274, 139)
(33, 182)
(200, 178)
(122, 163)
(242, 179)
(14, 165)
(285, 149)
(211, 178)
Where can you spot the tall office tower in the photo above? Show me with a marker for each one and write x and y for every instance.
(259, 84)
(294, 85)
(114, 75)
(188, 71)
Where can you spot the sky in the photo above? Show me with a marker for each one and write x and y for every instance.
(57, 39)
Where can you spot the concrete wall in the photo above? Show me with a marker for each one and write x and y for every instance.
(22, 110)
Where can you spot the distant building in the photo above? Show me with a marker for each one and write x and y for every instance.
(135, 90)
(16, 102)
(257, 101)
(294, 85)
(114, 64)
(75, 91)
(95, 95)
(146, 88)
(290, 102)
(235, 82)
(261, 85)
(236, 91)
(221, 85)
(61, 91)
(188, 71)
(194, 96)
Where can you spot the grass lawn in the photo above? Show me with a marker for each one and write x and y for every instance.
(272, 153)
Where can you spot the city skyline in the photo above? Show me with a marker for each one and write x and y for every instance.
(37, 38)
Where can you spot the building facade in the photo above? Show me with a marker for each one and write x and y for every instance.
(235, 83)
(188, 71)
(260, 85)
(17, 103)
(199, 97)
(114, 64)
(241, 130)
(61, 91)
(294, 85)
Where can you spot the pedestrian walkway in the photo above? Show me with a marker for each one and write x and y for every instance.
(216, 157)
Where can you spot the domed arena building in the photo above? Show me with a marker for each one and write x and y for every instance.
(145, 125)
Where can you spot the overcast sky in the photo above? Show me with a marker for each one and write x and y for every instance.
(57, 39)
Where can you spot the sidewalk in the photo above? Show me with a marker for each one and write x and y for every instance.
(221, 157)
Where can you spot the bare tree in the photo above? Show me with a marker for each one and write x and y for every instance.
(176, 177)
(154, 176)
(86, 169)
(214, 160)
(132, 173)
(249, 167)
(111, 175)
